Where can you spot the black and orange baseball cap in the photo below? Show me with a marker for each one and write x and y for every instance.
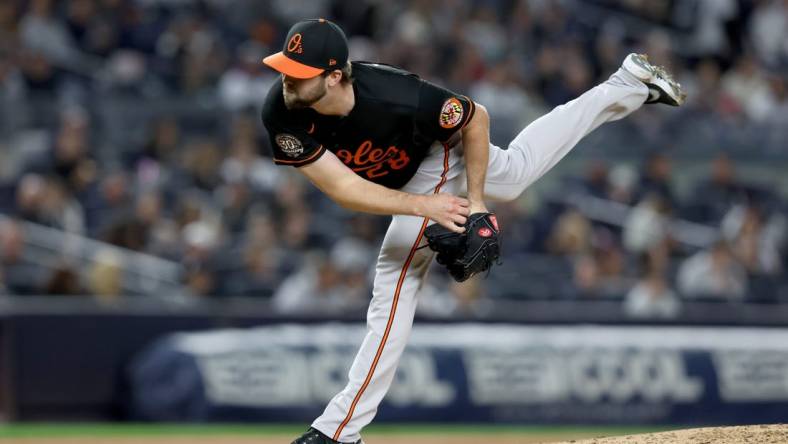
(311, 47)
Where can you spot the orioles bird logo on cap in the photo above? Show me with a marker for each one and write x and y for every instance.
(294, 45)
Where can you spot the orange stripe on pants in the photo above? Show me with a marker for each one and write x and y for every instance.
(393, 311)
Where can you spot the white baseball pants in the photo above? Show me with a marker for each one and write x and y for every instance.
(401, 267)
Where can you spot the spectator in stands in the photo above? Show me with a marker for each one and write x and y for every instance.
(512, 108)
(147, 214)
(47, 201)
(245, 164)
(470, 297)
(21, 277)
(195, 45)
(201, 242)
(155, 162)
(63, 280)
(297, 233)
(66, 154)
(655, 178)
(443, 297)
(709, 37)
(601, 273)
(368, 228)
(3, 288)
(652, 297)
(128, 73)
(41, 79)
(621, 184)
(585, 277)
(571, 234)
(201, 163)
(713, 273)
(241, 86)
(9, 21)
(235, 201)
(260, 275)
(201, 239)
(768, 31)
(706, 81)
(30, 197)
(595, 182)
(777, 123)
(59, 208)
(354, 260)
(110, 211)
(146, 229)
(105, 276)
(754, 240)
(190, 208)
(322, 286)
(199, 279)
(647, 224)
(255, 264)
(93, 27)
(13, 106)
(610, 261)
(563, 73)
(713, 198)
(749, 89)
(41, 30)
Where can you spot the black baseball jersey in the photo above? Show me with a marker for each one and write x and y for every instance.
(395, 119)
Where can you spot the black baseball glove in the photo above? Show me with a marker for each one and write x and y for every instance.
(468, 253)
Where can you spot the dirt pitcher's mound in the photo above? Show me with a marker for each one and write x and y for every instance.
(757, 434)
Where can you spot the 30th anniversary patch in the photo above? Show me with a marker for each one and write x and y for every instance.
(289, 144)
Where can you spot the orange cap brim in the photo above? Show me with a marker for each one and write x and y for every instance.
(290, 67)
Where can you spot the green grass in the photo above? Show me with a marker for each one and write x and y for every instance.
(126, 429)
(110, 429)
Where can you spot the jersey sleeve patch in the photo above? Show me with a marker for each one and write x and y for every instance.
(294, 147)
(451, 113)
(441, 113)
(289, 144)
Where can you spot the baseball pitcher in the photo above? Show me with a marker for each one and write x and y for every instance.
(379, 139)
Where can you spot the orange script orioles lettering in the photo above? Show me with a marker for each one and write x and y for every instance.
(373, 161)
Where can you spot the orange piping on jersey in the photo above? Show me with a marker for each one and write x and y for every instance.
(394, 303)
(311, 129)
(319, 151)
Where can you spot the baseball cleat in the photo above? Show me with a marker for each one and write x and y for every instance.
(662, 88)
(313, 436)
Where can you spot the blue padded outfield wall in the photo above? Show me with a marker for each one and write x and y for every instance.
(475, 373)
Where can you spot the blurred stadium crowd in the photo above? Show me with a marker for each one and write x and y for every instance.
(136, 123)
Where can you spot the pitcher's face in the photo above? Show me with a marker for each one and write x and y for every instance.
(302, 93)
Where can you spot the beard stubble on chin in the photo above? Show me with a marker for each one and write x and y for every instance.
(307, 99)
